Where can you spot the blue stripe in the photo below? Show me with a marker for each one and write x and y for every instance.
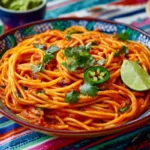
(145, 27)
(22, 141)
(75, 6)
(129, 14)
(7, 129)
(3, 119)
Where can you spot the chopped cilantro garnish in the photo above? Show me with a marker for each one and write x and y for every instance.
(68, 35)
(39, 108)
(78, 57)
(94, 43)
(124, 36)
(117, 53)
(101, 62)
(40, 91)
(124, 50)
(48, 58)
(88, 89)
(124, 109)
(88, 46)
(18, 95)
(39, 46)
(72, 51)
(71, 68)
(37, 68)
(72, 97)
(84, 60)
(49, 55)
(52, 49)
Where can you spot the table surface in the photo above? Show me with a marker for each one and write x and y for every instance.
(16, 137)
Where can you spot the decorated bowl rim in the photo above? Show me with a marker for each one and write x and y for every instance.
(140, 122)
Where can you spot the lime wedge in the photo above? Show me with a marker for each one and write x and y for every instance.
(134, 76)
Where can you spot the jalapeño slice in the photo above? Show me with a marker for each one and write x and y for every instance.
(96, 75)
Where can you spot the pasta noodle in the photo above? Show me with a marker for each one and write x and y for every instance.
(37, 91)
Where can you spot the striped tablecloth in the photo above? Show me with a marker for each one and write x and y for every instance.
(16, 137)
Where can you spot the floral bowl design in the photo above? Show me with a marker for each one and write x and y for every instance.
(13, 37)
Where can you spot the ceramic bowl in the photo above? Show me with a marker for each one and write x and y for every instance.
(11, 38)
(12, 18)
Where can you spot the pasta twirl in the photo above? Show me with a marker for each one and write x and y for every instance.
(38, 74)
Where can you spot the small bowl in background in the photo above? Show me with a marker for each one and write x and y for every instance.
(14, 18)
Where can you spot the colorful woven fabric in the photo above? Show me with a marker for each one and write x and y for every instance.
(15, 137)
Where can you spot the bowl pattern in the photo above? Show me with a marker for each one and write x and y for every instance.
(11, 38)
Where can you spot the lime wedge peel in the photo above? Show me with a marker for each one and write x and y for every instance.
(134, 76)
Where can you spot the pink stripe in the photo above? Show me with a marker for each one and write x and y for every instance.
(61, 4)
(54, 144)
(144, 22)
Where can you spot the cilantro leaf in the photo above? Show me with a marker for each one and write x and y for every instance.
(124, 50)
(68, 35)
(117, 53)
(50, 54)
(78, 57)
(124, 36)
(88, 89)
(52, 49)
(37, 68)
(72, 51)
(18, 95)
(72, 97)
(71, 68)
(94, 43)
(85, 60)
(39, 108)
(48, 58)
(72, 31)
(101, 62)
(40, 91)
(39, 46)
(124, 109)
(88, 46)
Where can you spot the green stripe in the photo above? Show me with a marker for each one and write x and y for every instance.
(38, 141)
(5, 124)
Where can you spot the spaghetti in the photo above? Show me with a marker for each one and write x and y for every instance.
(42, 80)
